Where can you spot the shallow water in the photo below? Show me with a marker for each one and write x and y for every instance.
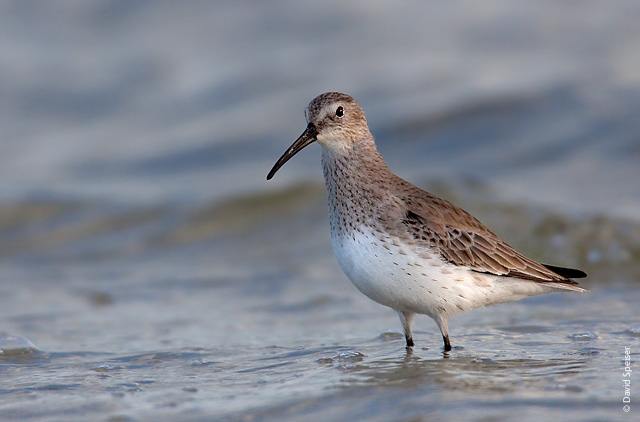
(148, 271)
(168, 320)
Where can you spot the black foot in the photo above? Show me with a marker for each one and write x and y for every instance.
(447, 345)
(409, 341)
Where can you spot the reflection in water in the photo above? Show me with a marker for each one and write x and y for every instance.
(471, 374)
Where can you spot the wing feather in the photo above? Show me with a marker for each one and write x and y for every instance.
(481, 250)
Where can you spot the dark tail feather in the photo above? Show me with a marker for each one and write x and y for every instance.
(566, 272)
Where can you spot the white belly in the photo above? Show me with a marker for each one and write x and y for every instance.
(418, 281)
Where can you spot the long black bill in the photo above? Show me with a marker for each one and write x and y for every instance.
(307, 137)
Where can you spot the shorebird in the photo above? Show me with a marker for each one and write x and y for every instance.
(406, 248)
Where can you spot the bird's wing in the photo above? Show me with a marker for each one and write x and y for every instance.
(479, 249)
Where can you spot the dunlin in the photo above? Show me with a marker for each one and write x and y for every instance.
(406, 248)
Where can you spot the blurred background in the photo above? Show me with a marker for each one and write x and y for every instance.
(138, 231)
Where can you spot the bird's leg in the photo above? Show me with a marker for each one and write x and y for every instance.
(406, 318)
(409, 340)
(444, 329)
(447, 345)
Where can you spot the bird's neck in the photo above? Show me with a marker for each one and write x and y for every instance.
(356, 181)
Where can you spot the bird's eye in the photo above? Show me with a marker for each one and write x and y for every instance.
(340, 111)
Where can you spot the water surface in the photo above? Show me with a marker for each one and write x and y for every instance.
(148, 271)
